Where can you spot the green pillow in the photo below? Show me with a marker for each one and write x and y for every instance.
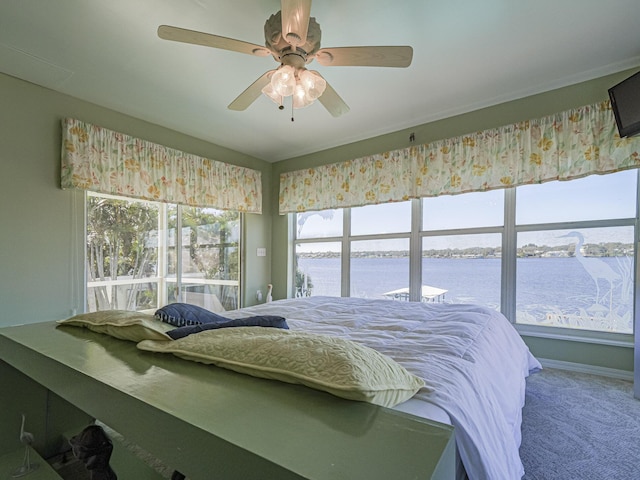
(332, 364)
(122, 324)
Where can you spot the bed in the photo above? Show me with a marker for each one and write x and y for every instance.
(471, 363)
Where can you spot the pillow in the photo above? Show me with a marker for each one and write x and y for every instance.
(257, 321)
(332, 364)
(122, 324)
(182, 314)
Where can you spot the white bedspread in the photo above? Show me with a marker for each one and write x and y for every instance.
(473, 361)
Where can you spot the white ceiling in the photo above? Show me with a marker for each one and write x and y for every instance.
(468, 54)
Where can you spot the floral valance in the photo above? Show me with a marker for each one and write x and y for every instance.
(101, 160)
(564, 146)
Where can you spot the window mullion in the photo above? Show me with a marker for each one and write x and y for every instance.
(415, 252)
(509, 251)
(179, 254)
(162, 253)
(345, 288)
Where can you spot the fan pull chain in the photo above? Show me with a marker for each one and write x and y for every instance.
(292, 109)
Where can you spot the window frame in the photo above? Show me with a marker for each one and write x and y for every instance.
(562, 333)
(162, 279)
(509, 232)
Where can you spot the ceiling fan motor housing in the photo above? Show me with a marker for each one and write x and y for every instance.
(281, 48)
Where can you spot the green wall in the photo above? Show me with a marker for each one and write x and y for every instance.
(491, 117)
(41, 225)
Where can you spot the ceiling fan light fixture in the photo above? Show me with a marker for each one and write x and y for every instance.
(270, 92)
(312, 83)
(303, 85)
(283, 80)
(300, 98)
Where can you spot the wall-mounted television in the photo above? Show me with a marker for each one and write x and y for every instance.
(625, 102)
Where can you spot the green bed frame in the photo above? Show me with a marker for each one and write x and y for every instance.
(209, 423)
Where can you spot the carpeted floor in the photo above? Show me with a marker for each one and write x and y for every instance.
(580, 427)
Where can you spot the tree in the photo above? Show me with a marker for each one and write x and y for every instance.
(303, 284)
(122, 241)
(119, 244)
(213, 249)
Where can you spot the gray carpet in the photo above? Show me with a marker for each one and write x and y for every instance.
(580, 426)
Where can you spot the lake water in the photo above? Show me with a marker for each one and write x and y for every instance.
(550, 291)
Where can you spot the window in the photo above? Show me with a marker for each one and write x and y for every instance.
(470, 210)
(379, 267)
(463, 268)
(317, 268)
(462, 248)
(576, 279)
(580, 277)
(142, 255)
(381, 219)
(327, 223)
(318, 263)
(558, 256)
(377, 251)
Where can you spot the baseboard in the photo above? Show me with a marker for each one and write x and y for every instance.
(584, 368)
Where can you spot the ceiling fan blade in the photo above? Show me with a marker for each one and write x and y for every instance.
(295, 21)
(183, 35)
(252, 92)
(332, 101)
(365, 56)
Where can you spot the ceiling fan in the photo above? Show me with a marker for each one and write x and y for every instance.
(292, 36)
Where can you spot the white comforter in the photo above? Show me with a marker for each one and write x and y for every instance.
(473, 362)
